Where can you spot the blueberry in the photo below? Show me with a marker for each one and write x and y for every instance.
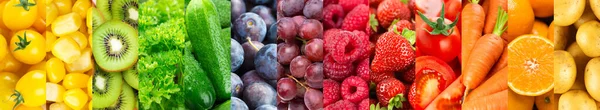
(265, 13)
(237, 86)
(250, 25)
(238, 104)
(266, 107)
(237, 55)
(237, 8)
(271, 34)
(260, 93)
(313, 9)
(265, 62)
(250, 50)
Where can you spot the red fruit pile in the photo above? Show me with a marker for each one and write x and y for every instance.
(347, 55)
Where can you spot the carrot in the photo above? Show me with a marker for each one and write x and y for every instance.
(502, 62)
(496, 101)
(473, 16)
(449, 98)
(490, 20)
(493, 85)
(488, 49)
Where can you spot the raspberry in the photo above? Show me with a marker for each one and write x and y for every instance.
(357, 19)
(327, 2)
(348, 48)
(351, 4)
(331, 92)
(336, 71)
(333, 16)
(355, 89)
(341, 105)
(362, 70)
(364, 104)
(329, 37)
(364, 38)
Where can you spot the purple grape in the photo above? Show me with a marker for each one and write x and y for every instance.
(313, 9)
(301, 89)
(286, 28)
(286, 89)
(299, 20)
(310, 29)
(297, 104)
(298, 66)
(313, 99)
(291, 7)
(314, 50)
(314, 75)
(287, 52)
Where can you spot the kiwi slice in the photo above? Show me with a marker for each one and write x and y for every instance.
(126, 100)
(105, 7)
(97, 18)
(126, 11)
(106, 87)
(115, 46)
(131, 77)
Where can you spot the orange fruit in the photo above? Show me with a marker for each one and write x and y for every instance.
(542, 8)
(531, 65)
(520, 17)
(548, 101)
(540, 28)
(519, 102)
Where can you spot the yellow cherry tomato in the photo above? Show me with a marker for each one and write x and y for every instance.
(41, 5)
(6, 101)
(38, 66)
(66, 24)
(8, 80)
(51, 13)
(81, 7)
(55, 70)
(39, 25)
(75, 80)
(3, 47)
(75, 98)
(10, 64)
(59, 106)
(19, 14)
(79, 37)
(50, 38)
(23, 107)
(64, 6)
(31, 89)
(2, 4)
(83, 64)
(66, 49)
(54, 92)
(28, 46)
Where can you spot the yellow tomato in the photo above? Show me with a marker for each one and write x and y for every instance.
(8, 80)
(6, 101)
(81, 7)
(66, 24)
(66, 49)
(31, 89)
(2, 4)
(38, 66)
(54, 92)
(75, 98)
(28, 46)
(41, 5)
(64, 6)
(75, 80)
(51, 13)
(10, 64)
(3, 47)
(83, 64)
(79, 37)
(19, 15)
(56, 70)
(39, 25)
(23, 107)
(50, 38)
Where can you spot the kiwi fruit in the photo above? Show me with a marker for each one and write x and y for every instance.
(105, 7)
(115, 46)
(126, 101)
(97, 18)
(106, 87)
(126, 11)
(131, 77)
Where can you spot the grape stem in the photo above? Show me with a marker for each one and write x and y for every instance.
(251, 44)
(292, 77)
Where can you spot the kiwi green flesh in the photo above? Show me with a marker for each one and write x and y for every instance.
(105, 88)
(131, 77)
(126, 100)
(97, 18)
(105, 7)
(126, 11)
(115, 46)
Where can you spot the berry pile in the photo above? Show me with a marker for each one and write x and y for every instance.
(253, 55)
(347, 55)
(391, 28)
(300, 52)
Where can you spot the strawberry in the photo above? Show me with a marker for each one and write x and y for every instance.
(377, 77)
(391, 93)
(400, 25)
(394, 52)
(426, 87)
(356, 19)
(373, 24)
(351, 4)
(389, 10)
(408, 75)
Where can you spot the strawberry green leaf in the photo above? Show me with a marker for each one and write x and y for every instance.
(410, 35)
(373, 22)
(396, 102)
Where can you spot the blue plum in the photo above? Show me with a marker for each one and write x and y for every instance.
(250, 25)
(265, 62)
(238, 104)
(237, 86)
(259, 93)
(237, 55)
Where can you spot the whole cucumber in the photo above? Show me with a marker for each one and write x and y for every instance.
(223, 106)
(197, 88)
(211, 49)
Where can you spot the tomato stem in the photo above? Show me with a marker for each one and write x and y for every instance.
(439, 27)
(17, 100)
(25, 4)
(22, 44)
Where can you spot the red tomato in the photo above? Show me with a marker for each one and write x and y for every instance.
(430, 8)
(436, 64)
(441, 46)
(453, 8)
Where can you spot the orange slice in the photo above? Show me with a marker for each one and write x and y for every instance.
(530, 65)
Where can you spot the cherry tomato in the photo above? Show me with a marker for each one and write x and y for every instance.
(28, 46)
(446, 47)
(453, 8)
(11, 64)
(8, 80)
(430, 8)
(28, 87)
(19, 14)
(436, 64)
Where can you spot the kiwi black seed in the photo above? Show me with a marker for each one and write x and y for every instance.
(126, 11)
(131, 77)
(126, 101)
(106, 88)
(115, 46)
(105, 7)
(97, 18)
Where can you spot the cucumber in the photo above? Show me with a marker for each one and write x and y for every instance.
(224, 10)
(197, 88)
(223, 106)
(211, 48)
